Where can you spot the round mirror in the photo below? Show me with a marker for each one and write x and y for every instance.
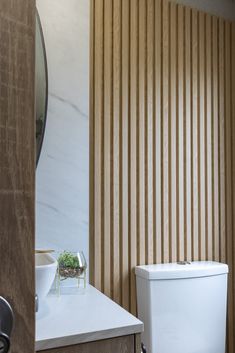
(41, 86)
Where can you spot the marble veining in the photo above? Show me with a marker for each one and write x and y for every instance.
(62, 189)
(74, 106)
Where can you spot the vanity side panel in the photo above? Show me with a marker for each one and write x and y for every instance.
(124, 344)
(138, 343)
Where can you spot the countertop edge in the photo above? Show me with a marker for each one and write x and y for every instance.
(89, 337)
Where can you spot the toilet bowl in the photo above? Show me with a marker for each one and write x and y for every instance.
(183, 306)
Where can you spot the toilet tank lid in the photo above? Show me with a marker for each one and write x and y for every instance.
(181, 270)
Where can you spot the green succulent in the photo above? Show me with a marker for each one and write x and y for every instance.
(68, 259)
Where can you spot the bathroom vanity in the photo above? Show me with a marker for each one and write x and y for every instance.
(86, 322)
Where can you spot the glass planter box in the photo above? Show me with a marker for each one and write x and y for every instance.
(71, 265)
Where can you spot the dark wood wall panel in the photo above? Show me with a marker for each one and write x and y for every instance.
(162, 142)
(17, 166)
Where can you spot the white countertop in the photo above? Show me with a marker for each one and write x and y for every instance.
(82, 317)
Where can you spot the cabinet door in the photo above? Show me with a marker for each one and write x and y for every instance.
(125, 344)
(17, 168)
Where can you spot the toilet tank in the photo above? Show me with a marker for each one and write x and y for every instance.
(183, 306)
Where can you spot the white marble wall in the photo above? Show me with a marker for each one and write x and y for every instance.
(63, 169)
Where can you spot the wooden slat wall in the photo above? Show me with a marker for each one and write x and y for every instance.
(162, 142)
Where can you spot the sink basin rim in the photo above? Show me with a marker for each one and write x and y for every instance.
(51, 261)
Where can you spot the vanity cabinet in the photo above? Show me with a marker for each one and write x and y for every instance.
(124, 344)
(86, 322)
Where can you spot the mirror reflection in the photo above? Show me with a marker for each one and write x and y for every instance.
(41, 87)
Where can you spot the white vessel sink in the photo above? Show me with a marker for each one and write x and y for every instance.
(45, 267)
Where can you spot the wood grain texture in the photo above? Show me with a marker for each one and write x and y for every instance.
(107, 144)
(188, 134)
(172, 146)
(133, 180)
(174, 133)
(137, 343)
(125, 344)
(195, 134)
(17, 166)
(232, 277)
(228, 178)
(125, 148)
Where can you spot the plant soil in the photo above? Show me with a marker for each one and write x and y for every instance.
(68, 272)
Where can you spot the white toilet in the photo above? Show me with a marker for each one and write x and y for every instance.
(183, 306)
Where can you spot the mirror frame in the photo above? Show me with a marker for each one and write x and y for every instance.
(38, 153)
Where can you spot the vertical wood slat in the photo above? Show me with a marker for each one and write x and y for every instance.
(215, 132)
(133, 148)
(107, 143)
(97, 135)
(162, 142)
(181, 132)
(92, 145)
(149, 132)
(165, 129)
(188, 143)
(125, 153)
(158, 131)
(195, 156)
(228, 179)
(209, 134)
(201, 138)
(117, 157)
(222, 142)
(174, 132)
(142, 131)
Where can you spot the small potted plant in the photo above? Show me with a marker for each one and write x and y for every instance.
(72, 265)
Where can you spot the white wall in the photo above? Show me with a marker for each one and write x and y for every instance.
(63, 169)
(223, 8)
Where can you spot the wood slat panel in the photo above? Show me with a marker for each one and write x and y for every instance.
(221, 67)
(98, 140)
(228, 179)
(133, 148)
(209, 134)
(158, 131)
(195, 154)
(215, 133)
(188, 143)
(181, 129)
(162, 135)
(174, 132)
(125, 152)
(165, 130)
(91, 137)
(117, 157)
(142, 32)
(108, 42)
(201, 138)
(150, 132)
